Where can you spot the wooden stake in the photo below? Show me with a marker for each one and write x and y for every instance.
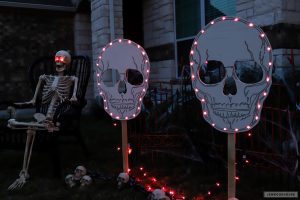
(231, 166)
(125, 146)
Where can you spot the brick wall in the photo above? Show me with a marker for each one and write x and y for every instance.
(26, 34)
(159, 38)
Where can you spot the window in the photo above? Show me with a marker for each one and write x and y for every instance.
(190, 16)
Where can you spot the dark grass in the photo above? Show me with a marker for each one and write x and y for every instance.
(185, 176)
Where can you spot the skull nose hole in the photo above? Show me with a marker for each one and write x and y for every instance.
(122, 87)
(230, 87)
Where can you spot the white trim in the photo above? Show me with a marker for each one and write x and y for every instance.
(202, 13)
(175, 39)
(111, 20)
(37, 6)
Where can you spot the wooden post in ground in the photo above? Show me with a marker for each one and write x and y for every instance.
(125, 146)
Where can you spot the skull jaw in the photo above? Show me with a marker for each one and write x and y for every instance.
(60, 68)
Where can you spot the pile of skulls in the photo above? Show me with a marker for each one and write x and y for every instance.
(79, 178)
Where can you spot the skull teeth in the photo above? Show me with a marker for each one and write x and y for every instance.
(123, 106)
(234, 107)
(230, 114)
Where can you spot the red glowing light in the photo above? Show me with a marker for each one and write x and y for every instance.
(218, 184)
(249, 134)
(115, 124)
(141, 168)
(154, 179)
(247, 161)
(237, 178)
(119, 148)
(145, 174)
(129, 150)
(209, 193)
(172, 192)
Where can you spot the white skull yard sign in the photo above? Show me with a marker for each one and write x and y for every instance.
(123, 70)
(231, 70)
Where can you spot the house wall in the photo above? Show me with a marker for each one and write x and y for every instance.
(26, 34)
(159, 36)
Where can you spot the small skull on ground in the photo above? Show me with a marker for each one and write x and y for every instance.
(158, 194)
(122, 180)
(69, 180)
(86, 180)
(79, 172)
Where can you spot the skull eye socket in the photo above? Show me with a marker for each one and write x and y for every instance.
(248, 71)
(110, 77)
(134, 77)
(212, 72)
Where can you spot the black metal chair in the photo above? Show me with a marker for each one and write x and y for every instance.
(67, 114)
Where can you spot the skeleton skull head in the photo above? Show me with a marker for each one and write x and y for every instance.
(69, 180)
(79, 172)
(231, 62)
(62, 60)
(86, 180)
(122, 77)
(158, 194)
(122, 179)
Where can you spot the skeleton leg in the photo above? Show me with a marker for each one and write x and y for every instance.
(27, 155)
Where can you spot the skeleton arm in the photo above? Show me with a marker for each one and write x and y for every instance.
(32, 101)
(74, 98)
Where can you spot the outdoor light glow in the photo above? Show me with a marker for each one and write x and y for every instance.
(140, 99)
(262, 35)
(110, 43)
(144, 90)
(146, 61)
(143, 52)
(265, 94)
(106, 108)
(268, 79)
(270, 63)
(209, 193)
(223, 18)
(117, 117)
(146, 80)
(126, 118)
(141, 168)
(212, 22)
(103, 49)
(256, 117)
(111, 114)
(139, 108)
(120, 40)
(202, 31)
(204, 113)
(236, 19)
(101, 93)
(225, 129)
(98, 84)
(100, 57)
(269, 48)
(203, 100)
(236, 130)
(191, 63)
(251, 24)
(193, 76)
(258, 106)
(104, 100)
(246, 161)
(218, 184)
(98, 75)
(206, 62)
(138, 46)
(192, 52)
(195, 43)
(129, 41)
(249, 134)
(133, 115)
(196, 90)
(213, 124)
(148, 70)
(97, 64)
(248, 127)
(237, 178)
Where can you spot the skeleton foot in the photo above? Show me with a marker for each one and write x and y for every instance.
(18, 183)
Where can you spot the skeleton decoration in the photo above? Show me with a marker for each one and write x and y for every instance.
(79, 172)
(70, 181)
(231, 70)
(158, 194)
(122, 180)
(55, 90)
(122, 77)
(86, 180)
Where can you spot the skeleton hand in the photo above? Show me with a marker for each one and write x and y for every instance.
(73, 98)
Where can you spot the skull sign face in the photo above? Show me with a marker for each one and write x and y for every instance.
(122, 77)
(231, 70)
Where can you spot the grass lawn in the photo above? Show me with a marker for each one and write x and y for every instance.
(191, 178)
